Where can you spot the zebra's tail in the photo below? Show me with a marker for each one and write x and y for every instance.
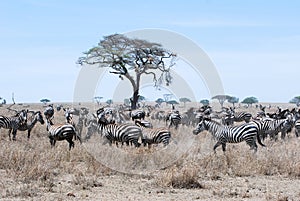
(77, 137)
(259, 140)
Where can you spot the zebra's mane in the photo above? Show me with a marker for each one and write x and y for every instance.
(212, 121)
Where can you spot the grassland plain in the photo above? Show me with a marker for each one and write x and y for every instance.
(31, 170)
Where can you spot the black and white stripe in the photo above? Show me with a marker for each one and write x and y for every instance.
(60, 132)
(154, 135)
(82, 120)
(13, 123)
(37, 117)
(225, 134)
(232, 117)
(137, 114)
(174, 117)
(297, 128)
(124, 133)
(273, 127)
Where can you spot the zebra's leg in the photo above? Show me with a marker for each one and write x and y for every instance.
(176, 126)
(166, 142)
(283, 134)
(224, 147)
(251, 142)
(52, 143)
(71, 144)
(14, 132)
(144, 142)
(136, 143)
(297, 132)
(9, 131)
(88, 134)
(218, 144)
(28, 134)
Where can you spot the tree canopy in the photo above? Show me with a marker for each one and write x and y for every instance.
(295, 100)
(184, 100)
(109, 102)
(159, 101)
(172, 102)
(131, 58)
(221, 98)
(98, 99)
(250, 100)
(204, 102)
(233, 100)
(45, 100)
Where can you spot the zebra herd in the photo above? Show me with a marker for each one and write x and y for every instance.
(122, 126)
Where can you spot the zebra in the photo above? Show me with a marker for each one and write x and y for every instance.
(92, 126)
(232, 117)
(37, 117)
(154, 135)
(273, 127)
(143, 123)
(70, 120)
(60, 132)
(174, 117)
(49, 111)
(81, 120)
(13, 123)
(226, 134)
(297, 128)
(137, 114)
(124, 133)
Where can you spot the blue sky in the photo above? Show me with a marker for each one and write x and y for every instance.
(255, 45)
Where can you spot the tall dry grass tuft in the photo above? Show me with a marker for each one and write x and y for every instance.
(179, 177)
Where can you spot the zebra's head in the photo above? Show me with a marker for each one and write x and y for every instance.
(201, 126)
(49, 112)
(105, 118)
(39, 117)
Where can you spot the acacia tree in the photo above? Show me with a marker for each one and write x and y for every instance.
(295, 100)
(184, 100)
(131, 58)
(221, 98)
(250, 100)
(204, 102)
(45, 101)
(233, 100)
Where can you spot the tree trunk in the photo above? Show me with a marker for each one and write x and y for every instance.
(134, 99)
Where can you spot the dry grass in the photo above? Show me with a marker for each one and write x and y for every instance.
(31, 169)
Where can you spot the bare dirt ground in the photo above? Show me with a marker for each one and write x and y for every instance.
(31, 170)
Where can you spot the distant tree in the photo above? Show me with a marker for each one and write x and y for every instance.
(250, 100)
(3, 102)
(98, 99)
(296, 100)
(172, 102)
(233, 100)
(109, 102)
(45, 101)
(167, 97)
(184, 100)
(221, 98)
(205, 102)
(131, 59)
(127, 102)
(159, 101)
(141, 98)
